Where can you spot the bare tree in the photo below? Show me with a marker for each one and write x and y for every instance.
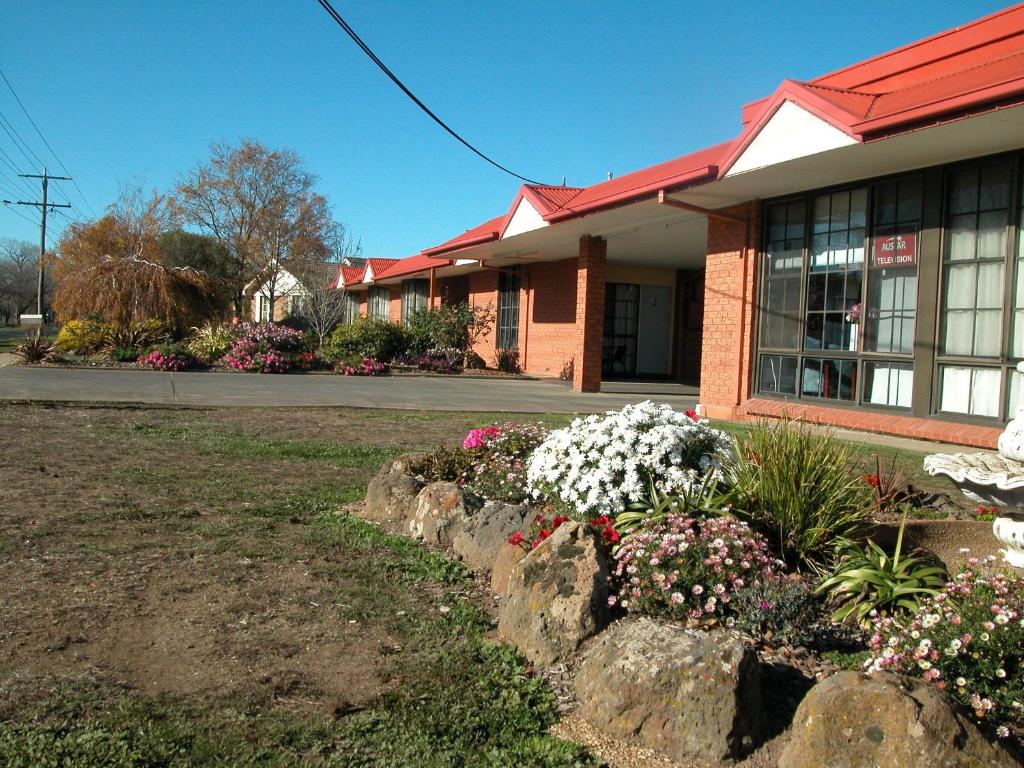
(260, 205)
(324, 305)
(18, 275)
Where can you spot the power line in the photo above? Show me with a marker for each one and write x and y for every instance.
(40, 133)
(394, 78)
(18, 141)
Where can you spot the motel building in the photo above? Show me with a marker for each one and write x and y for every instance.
(852, 257)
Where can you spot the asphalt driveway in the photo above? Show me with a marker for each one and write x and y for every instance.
(236, 389)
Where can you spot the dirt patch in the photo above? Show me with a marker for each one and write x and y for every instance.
(133, 557)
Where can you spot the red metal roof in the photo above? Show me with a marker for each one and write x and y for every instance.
(378, 265)
(482, 233)
(955, 73)
(410, 266)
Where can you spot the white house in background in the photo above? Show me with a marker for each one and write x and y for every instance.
(289, 288)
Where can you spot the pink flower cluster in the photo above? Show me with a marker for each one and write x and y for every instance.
(246, 355)
(687, 569)
(967, 640)
(269, 336)
(366, 367)
(479, 438)
(158, 361)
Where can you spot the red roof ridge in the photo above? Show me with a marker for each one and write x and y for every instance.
(955, 73)
(959, 29)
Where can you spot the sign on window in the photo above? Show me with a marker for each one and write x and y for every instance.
(894, 251)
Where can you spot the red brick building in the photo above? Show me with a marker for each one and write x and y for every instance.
(853, 256)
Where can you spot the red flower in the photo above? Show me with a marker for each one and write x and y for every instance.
(538, 518)
(600, 521)
(691, 414)
(610, 534)
(516, 539)
(558, 520)
(544, 533)
(871, 480)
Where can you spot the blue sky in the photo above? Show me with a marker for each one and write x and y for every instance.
(134, 93)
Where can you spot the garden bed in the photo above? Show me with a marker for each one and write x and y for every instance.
(760, 546)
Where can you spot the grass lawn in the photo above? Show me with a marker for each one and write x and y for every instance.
(182, 588)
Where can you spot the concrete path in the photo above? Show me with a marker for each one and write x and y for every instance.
(237, 389)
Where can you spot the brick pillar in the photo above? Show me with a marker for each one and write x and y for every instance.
(591, 267)
(729, 302)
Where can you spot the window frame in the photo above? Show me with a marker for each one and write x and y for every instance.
(415, 296)
(510, 285)
(927, 359)
(378, 303)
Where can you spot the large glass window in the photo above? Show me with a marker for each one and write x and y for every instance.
(351, 308)
(978, 201)
(379, 303)
(508, 308)
(414, 297)
(835, 297)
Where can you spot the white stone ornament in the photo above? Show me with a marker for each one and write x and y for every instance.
(995, 480)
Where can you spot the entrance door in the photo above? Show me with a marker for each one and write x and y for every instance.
(621, 318)
(689, 326)
(652, 357)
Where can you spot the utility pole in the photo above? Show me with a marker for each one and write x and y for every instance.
(45, 207)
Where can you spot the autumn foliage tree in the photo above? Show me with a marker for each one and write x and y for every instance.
(114, 270)
(261, 206)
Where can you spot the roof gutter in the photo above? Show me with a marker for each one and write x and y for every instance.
(439, 250)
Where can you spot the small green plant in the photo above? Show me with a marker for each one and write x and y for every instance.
(448, 464)
(34, 349)
(125, 354)
(506, 360)
(781, 610)
(705, 498)
(867, 581)
(794, 485)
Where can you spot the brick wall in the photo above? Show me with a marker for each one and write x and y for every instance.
(547, 317)
(591, 270)
(395, 304)
(483, 290)
(729, 294)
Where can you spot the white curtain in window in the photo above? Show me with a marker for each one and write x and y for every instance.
(974, 391)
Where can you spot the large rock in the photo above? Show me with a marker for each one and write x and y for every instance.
(557, 595)
(440, 512)
(850, 720)
(484, 535)
(501, 572)
(391, 494)
(682, 692)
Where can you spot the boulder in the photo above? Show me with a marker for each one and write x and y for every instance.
(504, 562)
(440, 511)
(849, 720)
(557, 595)
(391, 494)
(487, 532)
(685, 693)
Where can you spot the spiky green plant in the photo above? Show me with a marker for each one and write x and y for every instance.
(794, 485)
(867, 579)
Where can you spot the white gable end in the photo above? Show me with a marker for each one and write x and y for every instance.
(791, 133)
(525, 219)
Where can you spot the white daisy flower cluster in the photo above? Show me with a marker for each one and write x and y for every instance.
(599, 464)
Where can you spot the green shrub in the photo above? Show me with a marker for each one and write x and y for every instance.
(701, 499)
(795, 486)
(367, 337)
(506, 360)
(451, 328)
(780, 609)
(83, 336)
(867, 582)
(211, 342)
(125, 354)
